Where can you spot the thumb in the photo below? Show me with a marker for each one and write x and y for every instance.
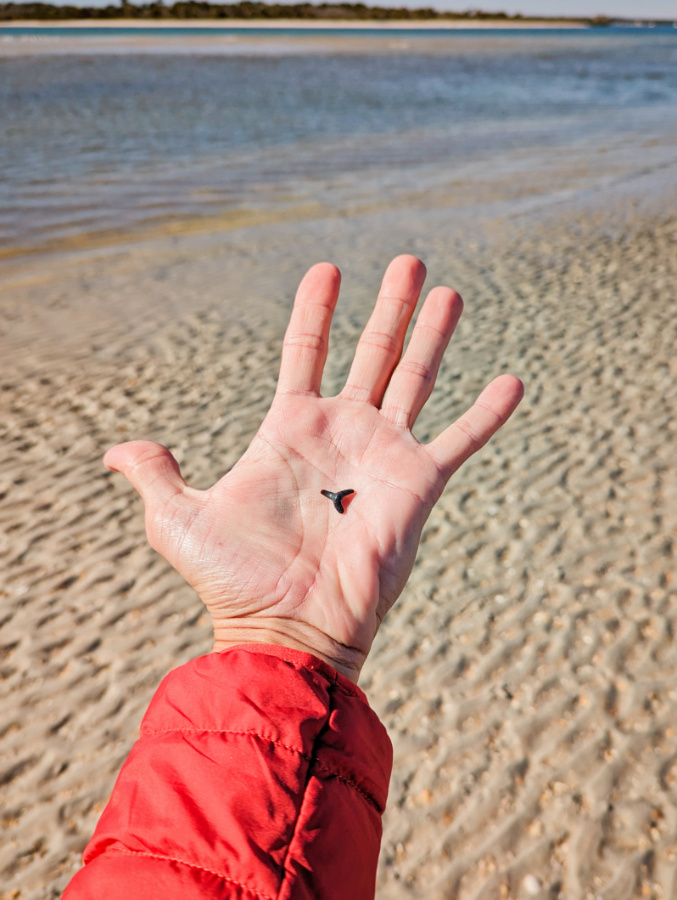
(150, 468)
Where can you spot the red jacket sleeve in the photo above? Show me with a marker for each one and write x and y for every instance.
(259, 773)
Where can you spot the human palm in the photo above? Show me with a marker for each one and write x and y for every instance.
(269, 555)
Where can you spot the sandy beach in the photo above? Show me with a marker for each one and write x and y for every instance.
(528, 675)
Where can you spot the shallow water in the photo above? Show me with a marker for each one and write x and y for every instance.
(112, 135)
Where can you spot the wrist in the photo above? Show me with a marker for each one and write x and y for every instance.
(288, 633)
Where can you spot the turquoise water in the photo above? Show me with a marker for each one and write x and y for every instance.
(112, 136)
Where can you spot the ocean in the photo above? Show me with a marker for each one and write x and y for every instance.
(115, 129)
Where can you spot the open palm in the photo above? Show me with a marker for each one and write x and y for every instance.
(270, 556)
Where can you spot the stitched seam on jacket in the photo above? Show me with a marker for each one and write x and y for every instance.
(191, 865)
(318, 766)
(254, 734)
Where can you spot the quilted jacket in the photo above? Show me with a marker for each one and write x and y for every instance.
(260, 774)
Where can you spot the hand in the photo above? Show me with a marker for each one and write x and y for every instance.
(270, 557)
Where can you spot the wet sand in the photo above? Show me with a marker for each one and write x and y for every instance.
(241, 37)
(528, 675)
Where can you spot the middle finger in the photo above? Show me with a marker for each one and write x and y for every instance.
(380, 346)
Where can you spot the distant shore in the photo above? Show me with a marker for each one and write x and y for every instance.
(257, 14)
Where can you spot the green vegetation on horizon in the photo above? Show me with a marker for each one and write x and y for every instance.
(199, 9)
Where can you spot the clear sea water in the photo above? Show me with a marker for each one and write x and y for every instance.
(96, 134)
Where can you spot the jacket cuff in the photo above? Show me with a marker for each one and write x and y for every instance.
(281, 695)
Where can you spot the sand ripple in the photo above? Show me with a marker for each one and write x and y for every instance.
(528, 677)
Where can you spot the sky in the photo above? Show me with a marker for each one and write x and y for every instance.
(627, 9)
(656, 9)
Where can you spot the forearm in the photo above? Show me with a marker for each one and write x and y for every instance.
(259, 772)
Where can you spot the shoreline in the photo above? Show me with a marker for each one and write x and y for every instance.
(300, 24)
